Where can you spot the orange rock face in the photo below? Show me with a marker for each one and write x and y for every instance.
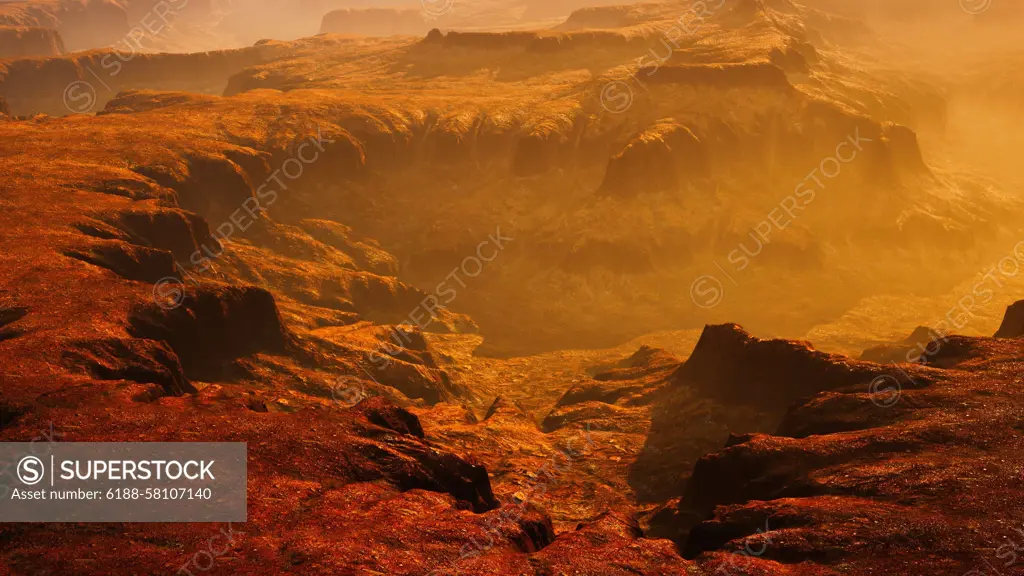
(18, 42)
(464, 278)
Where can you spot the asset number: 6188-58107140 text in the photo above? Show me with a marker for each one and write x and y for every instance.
(159, 494)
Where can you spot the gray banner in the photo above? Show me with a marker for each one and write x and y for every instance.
(123, 482)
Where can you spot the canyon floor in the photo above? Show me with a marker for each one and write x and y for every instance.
(543, 290)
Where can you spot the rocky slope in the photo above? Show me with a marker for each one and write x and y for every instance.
(20, 42)
(84, 82)
(307, 245)
(81, 25)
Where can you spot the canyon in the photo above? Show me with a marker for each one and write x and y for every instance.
(515, 287)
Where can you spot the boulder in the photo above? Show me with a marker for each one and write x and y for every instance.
(210, 327)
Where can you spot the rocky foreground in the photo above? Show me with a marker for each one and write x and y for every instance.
(306, 245)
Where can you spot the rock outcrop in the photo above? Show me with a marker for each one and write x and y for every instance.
(663, 157)
(61, 85)
(1013, 321)
(23, 42)
(731, 365)
(142, 361)
(607, 16)
(128, 260)
(81, 25)
(921, 343)
(745, 75)
(210, 328)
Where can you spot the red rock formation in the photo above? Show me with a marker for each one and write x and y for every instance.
(128, 260)
(583, 40)
(750, 75)
(142, 361)
(734, 366)
(900, 153)
(922, 342)
(533, 42)
(547, 145)
(18, 42)
(502, 408)
(211, 328)
(845, 467)
(83, 83)
(622, 547)
(1013, 321)
(367, 252)
(661, 158)
(606, 17)
(489, 40)
(82, 25)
